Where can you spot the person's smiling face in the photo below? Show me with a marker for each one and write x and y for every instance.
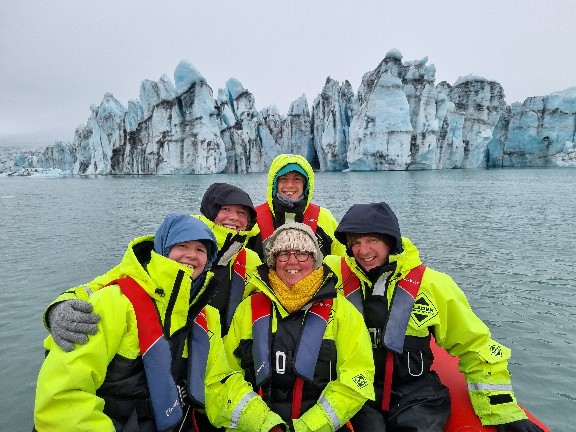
(233, 216)
(191, 253)
(370, 251)
(291, 185)
(295, 268)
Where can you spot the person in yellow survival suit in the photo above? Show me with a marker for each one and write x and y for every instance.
(158, 354)
(289, 199)
(229, 213)
(403, 303)
(302, 345)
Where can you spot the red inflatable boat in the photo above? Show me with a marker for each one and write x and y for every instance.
(463, 418)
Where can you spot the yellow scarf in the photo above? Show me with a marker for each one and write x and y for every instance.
(294, 297)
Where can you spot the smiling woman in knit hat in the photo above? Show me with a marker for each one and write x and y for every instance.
(295, 262)
(305, 346)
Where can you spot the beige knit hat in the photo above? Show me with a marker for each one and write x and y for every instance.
(292, 236)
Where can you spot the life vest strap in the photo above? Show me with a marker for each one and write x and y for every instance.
(265, 220)
(147, 319)
(311, 338)
(388, 372)
(297, 397)
(237, 283)
(351, 286)
(261, 316)
(411, 282)
(400, 311)
(311, 215)
(156, 355)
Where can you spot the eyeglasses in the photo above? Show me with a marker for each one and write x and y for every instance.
(301, 256)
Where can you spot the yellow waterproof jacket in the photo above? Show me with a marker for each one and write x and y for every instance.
(326, 222)
(441, 308)
(68, 381)
(348, 391)
(232, 275)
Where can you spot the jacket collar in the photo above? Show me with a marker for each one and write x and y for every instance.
(326, 290)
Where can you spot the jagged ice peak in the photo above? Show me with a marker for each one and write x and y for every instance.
(185, 75)
(394, 53)
(235, 88)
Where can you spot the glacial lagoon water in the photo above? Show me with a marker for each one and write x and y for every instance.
(506, 236)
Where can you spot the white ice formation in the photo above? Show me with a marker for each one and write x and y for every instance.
(399, 119)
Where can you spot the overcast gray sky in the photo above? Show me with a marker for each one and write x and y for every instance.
(58, 57)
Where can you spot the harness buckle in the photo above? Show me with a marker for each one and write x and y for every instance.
(375, 336)
(280, 362)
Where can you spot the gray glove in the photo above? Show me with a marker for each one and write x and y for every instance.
(71, 322)
(519, 426)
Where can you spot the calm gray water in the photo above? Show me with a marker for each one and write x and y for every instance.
(506, 236)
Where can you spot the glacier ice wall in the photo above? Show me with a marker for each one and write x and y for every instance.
(399, 119)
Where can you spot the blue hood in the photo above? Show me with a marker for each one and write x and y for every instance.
(179, 228)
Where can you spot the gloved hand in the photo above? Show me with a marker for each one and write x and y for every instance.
(71, 322)
(524, 425)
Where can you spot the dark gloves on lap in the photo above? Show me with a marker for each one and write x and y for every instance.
(71, 322)
(524, 425)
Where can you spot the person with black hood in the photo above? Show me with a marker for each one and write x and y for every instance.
(403, 303)
(157, 356)
(289, 199)
(230, 214)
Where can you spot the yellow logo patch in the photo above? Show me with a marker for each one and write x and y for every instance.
(360, 381)
(423, 310)
(496, 350)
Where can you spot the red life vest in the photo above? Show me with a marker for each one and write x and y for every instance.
(399, 315)
(265, 219)
(351, 285)
(310, 341)
(157, 357)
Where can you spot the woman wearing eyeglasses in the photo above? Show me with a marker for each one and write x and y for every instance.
(303, 347)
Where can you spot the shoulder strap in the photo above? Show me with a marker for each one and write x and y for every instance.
(265, 219)
(198, 349)
(311, 338)
(237, 284)
(261, 329)
(156, 355)
(395, 332)
(351, 286)
(311, 215)
(401, 309)
(308, 349)
(411, 282)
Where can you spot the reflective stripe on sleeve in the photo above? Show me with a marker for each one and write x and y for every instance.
(238, 409)
(490, 387)
(330, 411)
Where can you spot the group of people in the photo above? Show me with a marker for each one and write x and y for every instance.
(268, 318)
